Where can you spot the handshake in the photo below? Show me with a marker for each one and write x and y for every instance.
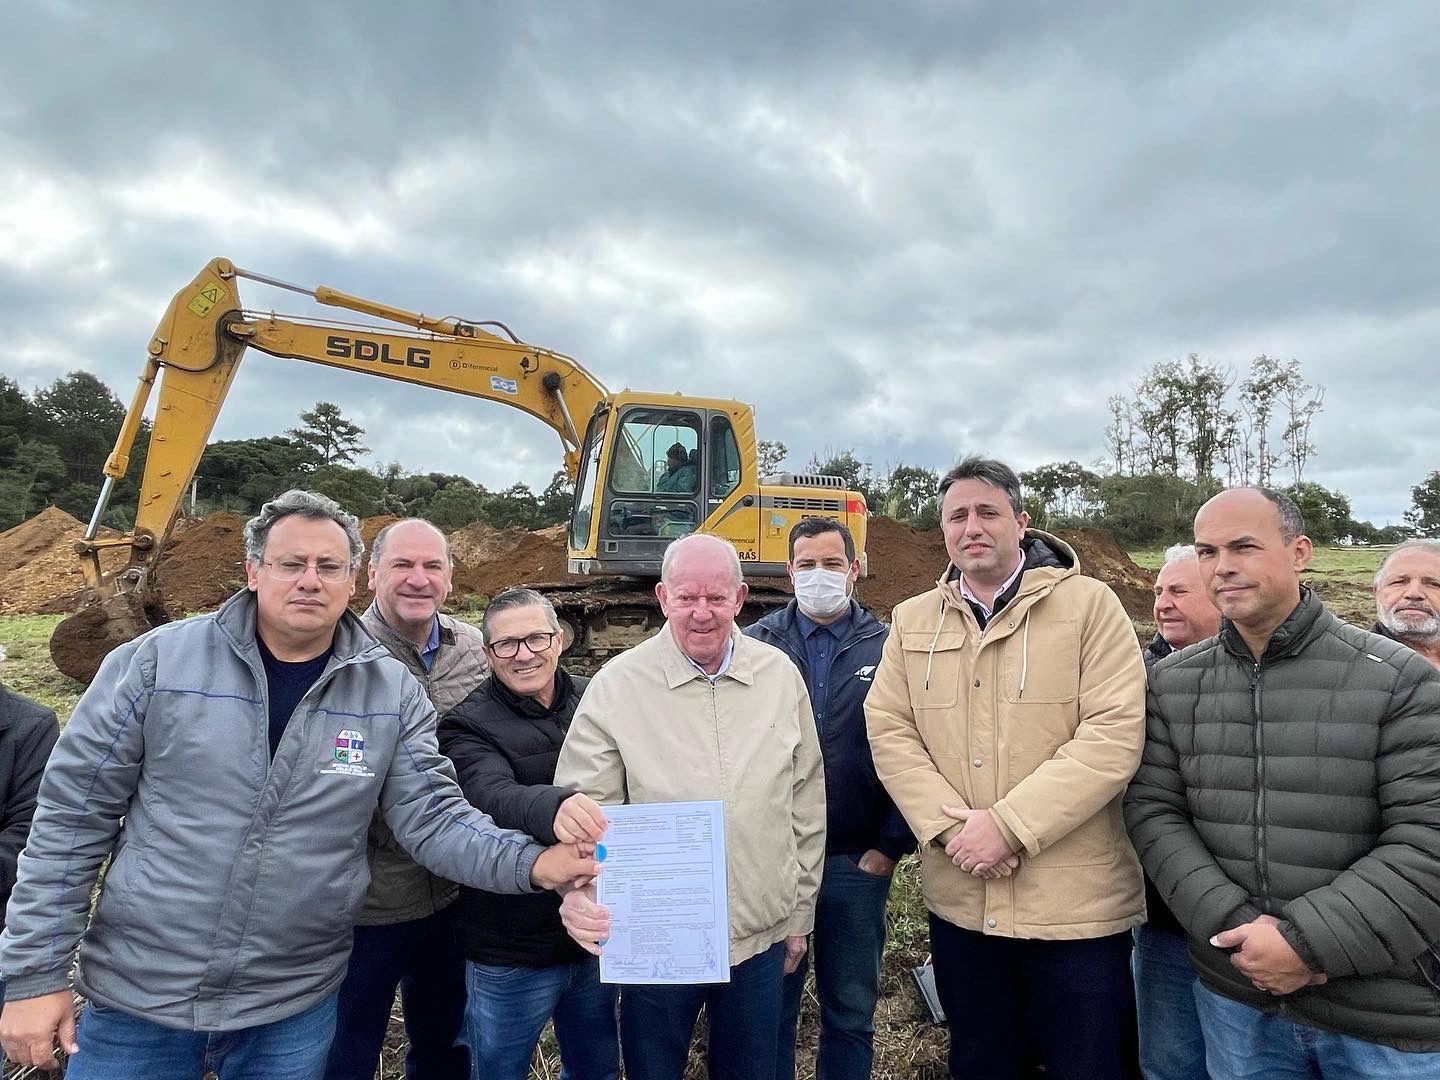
(571, 863)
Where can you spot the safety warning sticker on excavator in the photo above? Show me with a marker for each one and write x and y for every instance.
(209, 296)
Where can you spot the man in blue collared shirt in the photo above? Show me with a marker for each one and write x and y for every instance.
(836, 645)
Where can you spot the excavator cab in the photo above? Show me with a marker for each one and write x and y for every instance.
(651, 471)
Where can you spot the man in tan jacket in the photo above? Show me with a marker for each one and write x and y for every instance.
(700, 711)
(1006, 718)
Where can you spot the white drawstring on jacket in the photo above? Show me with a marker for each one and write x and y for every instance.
(1024, 649)
(931, 658)
(1024, 655)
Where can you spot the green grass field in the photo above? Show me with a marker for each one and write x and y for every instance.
(906, 1043)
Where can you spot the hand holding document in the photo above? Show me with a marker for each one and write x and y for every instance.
(662, 896)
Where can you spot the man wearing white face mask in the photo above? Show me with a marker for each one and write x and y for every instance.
(836, 645)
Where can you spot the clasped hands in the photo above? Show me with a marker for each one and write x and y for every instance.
(980, 848)
(1261, 953)
(579, 825)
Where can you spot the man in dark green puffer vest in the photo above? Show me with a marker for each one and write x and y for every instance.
(1288, 809)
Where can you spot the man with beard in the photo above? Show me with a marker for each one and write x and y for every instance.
(1407, 597)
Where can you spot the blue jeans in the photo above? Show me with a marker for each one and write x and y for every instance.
(115, 1045)
(1172, 1046)
(508, 1008)
(1245, 1042)
(656, 1023)
(848, 943)
(422, 959)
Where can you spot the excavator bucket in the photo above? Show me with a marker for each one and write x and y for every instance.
(82, 641)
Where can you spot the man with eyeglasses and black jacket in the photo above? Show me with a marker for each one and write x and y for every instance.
(522, 968)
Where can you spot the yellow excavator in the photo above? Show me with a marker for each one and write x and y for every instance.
(647, 467)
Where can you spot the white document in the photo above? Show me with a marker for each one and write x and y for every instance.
(664, 883)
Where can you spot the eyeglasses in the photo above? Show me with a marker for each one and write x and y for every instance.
(294, 569)
(537, 642)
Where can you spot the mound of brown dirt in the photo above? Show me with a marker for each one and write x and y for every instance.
(538, 558)
(371, 526)
(39, 570)
(45, 530)
(203, 564)
(1101, 557)
(479, 543)
(905, 562)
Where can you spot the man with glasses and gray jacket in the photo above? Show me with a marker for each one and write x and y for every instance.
(228, 766)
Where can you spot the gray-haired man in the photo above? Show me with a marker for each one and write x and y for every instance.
(229, 766)
(1407, 597)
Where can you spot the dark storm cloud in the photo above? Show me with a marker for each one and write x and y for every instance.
(912, 229)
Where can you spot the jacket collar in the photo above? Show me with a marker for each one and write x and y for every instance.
(1159, 647)
(1047, 561)
(401, 647)
(528, 706)
(1289, 637)
(862, 623)
(353, 643)
(679, 670)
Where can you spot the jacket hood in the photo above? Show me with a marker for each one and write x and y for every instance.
(1039, 551)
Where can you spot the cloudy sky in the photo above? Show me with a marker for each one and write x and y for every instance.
(914, 229)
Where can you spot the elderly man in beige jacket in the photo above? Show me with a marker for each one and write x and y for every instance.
(1006, 717)
(700, 711)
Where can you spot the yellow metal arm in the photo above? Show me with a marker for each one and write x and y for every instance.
(205, 330)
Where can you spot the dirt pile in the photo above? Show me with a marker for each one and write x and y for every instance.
(538, 558)
(36, 536)
(905, 562)
(203, 563)
(902, 561)
(39, 570)
(480, 543)
(1101, 557)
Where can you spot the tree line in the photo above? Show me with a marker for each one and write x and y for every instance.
(1186, 429)
(54, 442)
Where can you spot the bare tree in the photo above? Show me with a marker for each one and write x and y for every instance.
(1120, 436)
(1259, 395)
(1302, 403)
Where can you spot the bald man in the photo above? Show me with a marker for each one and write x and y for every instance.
(404, 936)
(1285, 808)
(700, 711)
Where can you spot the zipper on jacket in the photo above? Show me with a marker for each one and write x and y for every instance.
(1261, 868)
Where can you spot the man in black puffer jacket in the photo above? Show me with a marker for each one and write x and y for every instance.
(521, 965)
(1288, 810)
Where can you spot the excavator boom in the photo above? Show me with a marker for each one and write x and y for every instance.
(647, 467)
